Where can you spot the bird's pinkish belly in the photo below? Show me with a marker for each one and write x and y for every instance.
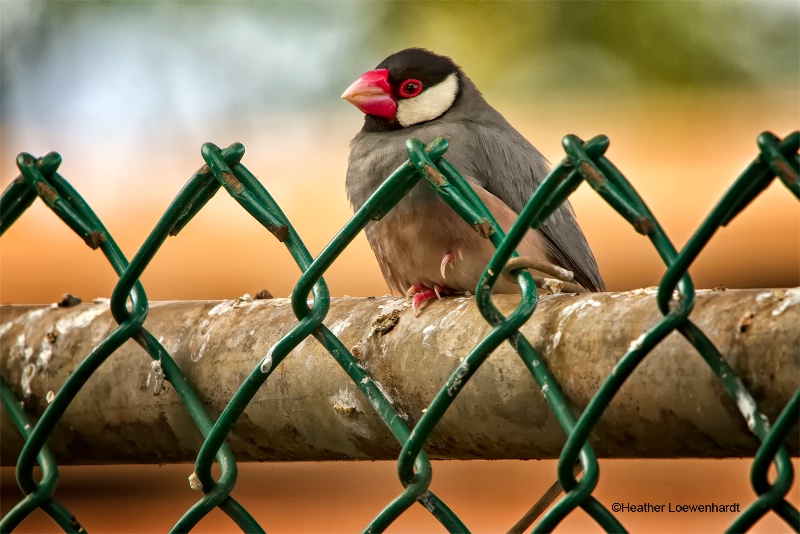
(410, 243)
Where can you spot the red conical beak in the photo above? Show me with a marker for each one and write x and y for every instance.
(372, 94)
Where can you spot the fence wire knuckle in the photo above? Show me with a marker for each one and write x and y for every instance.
(777, 159)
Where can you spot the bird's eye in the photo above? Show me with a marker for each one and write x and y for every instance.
(410, 88)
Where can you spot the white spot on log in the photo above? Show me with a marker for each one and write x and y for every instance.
(345, 402)
(426, 334)
(578, 306)
(5, 327)
(24, 319)
(32, 316)
(21, 344)
(79, 320)
(206, 339)
(45, 353)
(761, 297)
(50, 396)
(393, 305)
(257, 304)
(310, 358)
(159, 374)
(338, 327)
(223, 307)
(556, 339)
(205, 326)
(792, 298)
(566, 311)
(451, 319)
(25, 380)
(652, 290)
(35, 314)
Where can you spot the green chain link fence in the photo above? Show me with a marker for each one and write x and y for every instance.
(223, 168)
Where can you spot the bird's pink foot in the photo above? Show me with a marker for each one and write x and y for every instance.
(414, 289)
(420, 294)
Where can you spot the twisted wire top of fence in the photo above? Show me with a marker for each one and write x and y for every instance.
(584, 161)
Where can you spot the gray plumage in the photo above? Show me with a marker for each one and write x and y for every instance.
(490, 153)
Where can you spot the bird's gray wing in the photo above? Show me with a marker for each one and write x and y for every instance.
(511, 168)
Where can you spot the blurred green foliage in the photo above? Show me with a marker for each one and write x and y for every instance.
(101, 65)
(556, 45)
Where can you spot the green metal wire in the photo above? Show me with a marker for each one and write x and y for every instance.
(311, 324)
(505, 328)
(67, 203)
(584, 161)
(41, 496)
(757, 177)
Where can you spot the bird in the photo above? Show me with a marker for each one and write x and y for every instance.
(425, 250)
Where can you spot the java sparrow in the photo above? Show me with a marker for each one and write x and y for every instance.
(423, 247)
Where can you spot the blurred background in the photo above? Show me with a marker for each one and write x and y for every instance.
(128, 91)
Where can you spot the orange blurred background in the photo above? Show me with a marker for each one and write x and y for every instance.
(680, 171)
(681, 152)
(346, 496)
(680, 144)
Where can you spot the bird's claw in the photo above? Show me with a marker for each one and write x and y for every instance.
(414, 289)
(419, 300)
(562, 279)
(420, 294)
(446, 260)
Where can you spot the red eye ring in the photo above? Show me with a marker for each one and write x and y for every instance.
(412, 91)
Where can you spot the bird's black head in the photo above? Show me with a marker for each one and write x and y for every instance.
(407, 88)
(418, 67)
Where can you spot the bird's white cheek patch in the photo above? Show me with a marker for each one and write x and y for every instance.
(429, 104)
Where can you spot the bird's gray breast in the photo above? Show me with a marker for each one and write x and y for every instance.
(484, 147)
(374, 156)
